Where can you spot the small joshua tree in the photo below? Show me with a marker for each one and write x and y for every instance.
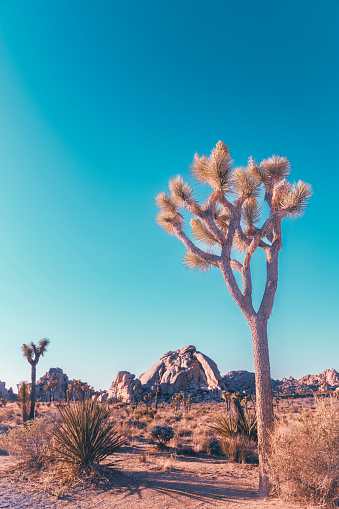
(227, 222)
(24, 399)
(33, 354)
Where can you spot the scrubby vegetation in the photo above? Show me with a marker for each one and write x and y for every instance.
(304, 463)
(77, 438)
(30, 443)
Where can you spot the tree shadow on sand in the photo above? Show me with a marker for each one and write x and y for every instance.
(183, 487)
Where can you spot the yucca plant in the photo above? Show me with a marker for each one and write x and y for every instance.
(85, 436)
(229, 425)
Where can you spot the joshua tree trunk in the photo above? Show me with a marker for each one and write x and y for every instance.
(33, 380)
(264, 398)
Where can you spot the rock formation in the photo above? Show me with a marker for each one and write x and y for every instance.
(240, 381)
(3, 390)
(56, 386)
(184, 370)
(125, 388)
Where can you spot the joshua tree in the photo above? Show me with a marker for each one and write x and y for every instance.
(226, 223)
(33, 354)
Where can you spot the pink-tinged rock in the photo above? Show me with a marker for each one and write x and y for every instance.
(121, 375)
(152, 375)
(210, 369)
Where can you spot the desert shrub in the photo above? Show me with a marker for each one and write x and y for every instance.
(30, 442)
(85, 436)
(304, 461)
(162, 434)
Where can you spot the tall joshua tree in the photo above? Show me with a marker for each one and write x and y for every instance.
(226, 223)
(33, 354)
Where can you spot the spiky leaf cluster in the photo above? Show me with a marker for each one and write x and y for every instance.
(273, 169)
(251, 214)
(245, 183)
(201, 233)
(215, 170)
(166, 222)
(280, 191)
(193, 262)
(181, 191)
(169, 214)
(166, 203)
(296, 200)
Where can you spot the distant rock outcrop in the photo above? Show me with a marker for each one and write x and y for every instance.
(240, 381)
(244, 382)
(56, 386)
(3, 390)
(57, 390)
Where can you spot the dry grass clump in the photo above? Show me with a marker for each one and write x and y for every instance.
(304, 462)
(240, 449)
(30, 442)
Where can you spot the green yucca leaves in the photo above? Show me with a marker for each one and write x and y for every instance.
(85, 436)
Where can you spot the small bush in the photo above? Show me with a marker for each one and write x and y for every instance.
(304, 461)
(85, 436)
(30, 442)
(162, 434)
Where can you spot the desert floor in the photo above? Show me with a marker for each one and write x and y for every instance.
(145, 478)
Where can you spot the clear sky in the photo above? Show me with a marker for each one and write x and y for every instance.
(100, 103)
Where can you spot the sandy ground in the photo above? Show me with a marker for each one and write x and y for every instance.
(162, 481)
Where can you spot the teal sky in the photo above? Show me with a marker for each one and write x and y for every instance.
(100, 103)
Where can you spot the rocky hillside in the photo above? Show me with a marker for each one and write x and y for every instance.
(244, 381)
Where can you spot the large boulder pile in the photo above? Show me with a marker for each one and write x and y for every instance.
(60, 385)
(56, 386)
(124, 388)
(184, 370)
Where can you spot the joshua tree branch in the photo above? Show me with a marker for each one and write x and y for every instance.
(266, 305)
(244, 303)
(235, 265)
(209, 257)
(213, 228)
